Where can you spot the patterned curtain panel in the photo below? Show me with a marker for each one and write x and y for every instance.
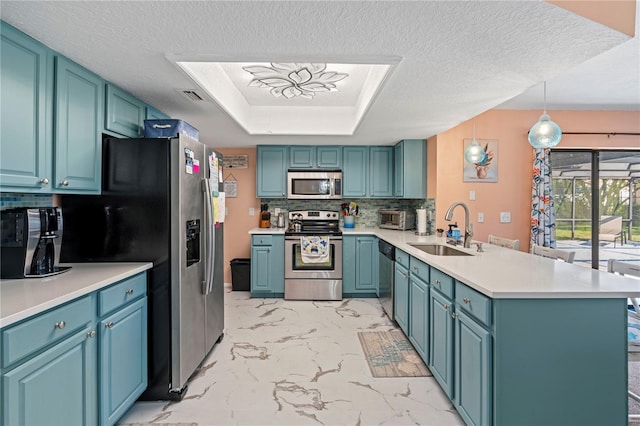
(543, 216)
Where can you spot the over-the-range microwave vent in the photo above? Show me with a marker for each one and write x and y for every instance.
(192, 95)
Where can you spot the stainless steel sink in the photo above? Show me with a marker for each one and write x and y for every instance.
(440, 250)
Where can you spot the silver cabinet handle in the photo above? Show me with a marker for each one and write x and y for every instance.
(446, 307)
(437, 282)
(454, 315)
(91, 334)
(109, 324)
(261, 241)
(64, 183)
(44, 181)
(268, 250)
(60, 325)
(466, 300)
(130, 291)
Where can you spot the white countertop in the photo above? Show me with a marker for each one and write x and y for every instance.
(502, 273)
(21, 298)
(273, 231)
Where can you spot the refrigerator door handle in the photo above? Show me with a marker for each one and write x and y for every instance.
(209, 247)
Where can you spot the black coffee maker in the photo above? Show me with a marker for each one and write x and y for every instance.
(30, 240)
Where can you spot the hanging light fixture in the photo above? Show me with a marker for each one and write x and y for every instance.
(474, 152)
(545, 133)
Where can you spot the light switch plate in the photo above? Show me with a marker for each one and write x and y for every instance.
(480, 217)
(472, 195)
(505, 217)
(252, 211)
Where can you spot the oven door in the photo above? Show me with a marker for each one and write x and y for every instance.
(295, 266)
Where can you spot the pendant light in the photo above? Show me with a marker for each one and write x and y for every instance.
(474, 152)
(545, 133)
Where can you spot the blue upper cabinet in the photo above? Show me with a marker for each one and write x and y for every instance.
(410, 171)
(26, 79)
(78, 131)
(125, 114)
(271, 173)
(153, 114)
(381, 171)
(355, 171)
(311, 157)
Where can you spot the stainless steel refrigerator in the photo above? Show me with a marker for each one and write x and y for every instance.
(158, 204)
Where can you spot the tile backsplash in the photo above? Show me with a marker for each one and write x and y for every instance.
(367, 207)
(9, 200)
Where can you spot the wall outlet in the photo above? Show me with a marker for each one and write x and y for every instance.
(480, 217)
(505, 217)
(276, 211)
(472, 195)
(252, 211)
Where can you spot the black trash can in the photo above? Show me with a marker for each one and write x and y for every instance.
(241, 274)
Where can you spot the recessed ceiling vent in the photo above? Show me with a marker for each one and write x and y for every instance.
(192, 95)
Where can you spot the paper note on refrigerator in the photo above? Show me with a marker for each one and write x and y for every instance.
(222, 208)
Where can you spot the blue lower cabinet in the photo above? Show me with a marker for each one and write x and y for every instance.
(473, 371)
(441, 334)
(56, 387)
(401, 297)
(359, 266)
(419, 316)
(267, 265)
(123, 360)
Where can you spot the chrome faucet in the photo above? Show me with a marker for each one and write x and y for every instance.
(468, 227)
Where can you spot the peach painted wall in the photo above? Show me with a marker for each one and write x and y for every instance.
(237, 242)
(512, 192)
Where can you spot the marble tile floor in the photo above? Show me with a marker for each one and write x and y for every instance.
(298, 363)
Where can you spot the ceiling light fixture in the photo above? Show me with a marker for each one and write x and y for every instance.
(474, 152)
(293, 80)
(545, 133)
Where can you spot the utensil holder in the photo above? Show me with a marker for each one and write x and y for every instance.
(349, 221)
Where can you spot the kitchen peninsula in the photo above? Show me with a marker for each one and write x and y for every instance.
(514, 338)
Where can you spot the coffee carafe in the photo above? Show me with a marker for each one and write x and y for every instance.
(30, 242)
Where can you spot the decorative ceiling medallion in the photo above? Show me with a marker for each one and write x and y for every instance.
(293, 80)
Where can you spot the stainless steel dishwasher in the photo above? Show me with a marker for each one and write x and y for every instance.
(386, 256)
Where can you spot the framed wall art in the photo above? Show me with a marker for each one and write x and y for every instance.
(486, 168)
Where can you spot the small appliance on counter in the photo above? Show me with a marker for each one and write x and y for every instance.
(30, 242)
(265, 216)
(398, 219)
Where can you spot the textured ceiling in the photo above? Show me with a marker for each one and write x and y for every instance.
(458, 58)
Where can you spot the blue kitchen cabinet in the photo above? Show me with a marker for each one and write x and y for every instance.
(153, 114)
(78, 129)
(441, 328)
(81, 363)
(401, 296)
(122, 334)
(329, 157)
(312, 157)
(355, 171)
(381, 171)
(26, 78)
(419, 308)
(410, 169)
(359, 266)
(271, 171)
(473, 387)
(124, 113)
(267, 265)
(49, 367)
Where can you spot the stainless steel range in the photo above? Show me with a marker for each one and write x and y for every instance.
(313, 256)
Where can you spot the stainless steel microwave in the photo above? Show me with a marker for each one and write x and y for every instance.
(314, 185)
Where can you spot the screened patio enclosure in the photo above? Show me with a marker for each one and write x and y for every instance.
(600, 221)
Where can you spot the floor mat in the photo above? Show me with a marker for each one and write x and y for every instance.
(390, 354)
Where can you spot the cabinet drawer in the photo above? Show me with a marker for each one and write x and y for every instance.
(30, 336)
(120, 294)
(476, 304)
(442, 282)
(261, 240)
(402, 258)
(419, 269)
